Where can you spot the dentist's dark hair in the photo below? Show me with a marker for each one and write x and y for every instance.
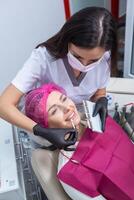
(88, 28)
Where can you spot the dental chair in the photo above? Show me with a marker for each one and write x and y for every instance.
(44, 162)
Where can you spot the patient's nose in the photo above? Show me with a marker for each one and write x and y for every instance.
(66, 108)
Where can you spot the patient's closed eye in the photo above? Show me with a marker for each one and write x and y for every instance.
(63, 98)
(54, 111)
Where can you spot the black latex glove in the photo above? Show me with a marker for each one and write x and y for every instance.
(101, 108)
(57, 136)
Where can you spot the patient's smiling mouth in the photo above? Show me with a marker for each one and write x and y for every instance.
(70, 116)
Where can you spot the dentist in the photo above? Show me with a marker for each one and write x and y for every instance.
(78, 58)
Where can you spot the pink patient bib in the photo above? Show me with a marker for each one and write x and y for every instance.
(102, 164)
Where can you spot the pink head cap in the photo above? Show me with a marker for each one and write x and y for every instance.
(36, 100)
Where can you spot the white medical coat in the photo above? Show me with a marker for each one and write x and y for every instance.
(41, 68)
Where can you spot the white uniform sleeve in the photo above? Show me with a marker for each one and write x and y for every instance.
(32, 71)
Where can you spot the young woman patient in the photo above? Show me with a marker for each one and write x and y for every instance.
(102, 165)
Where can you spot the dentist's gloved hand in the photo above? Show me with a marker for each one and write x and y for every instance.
(57, 136)
(101, 108)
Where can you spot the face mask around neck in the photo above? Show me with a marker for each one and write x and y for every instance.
(76, 64)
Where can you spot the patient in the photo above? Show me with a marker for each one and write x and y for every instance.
(102, 166)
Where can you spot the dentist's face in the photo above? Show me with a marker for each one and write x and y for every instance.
(61, 110)
(86, 56)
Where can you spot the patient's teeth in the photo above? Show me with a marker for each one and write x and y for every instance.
(71, 115)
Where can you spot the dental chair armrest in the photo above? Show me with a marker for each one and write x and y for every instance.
(44, 164)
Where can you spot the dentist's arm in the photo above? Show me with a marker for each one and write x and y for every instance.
(9, 100)
(98, 94)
